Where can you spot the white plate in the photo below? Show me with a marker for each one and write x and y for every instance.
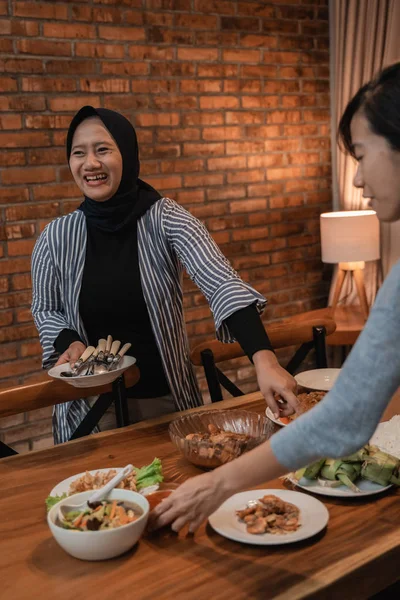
(63, 486)
(313, 518)
(318, 379)
(367, 488)
(270, 416)
(92, 380)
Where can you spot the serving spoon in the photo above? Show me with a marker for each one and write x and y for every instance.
(98, 494)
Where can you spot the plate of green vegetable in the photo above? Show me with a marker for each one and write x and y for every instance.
(366, 472)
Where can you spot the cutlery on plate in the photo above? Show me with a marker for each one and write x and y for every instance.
(91, 361)
(101, 344)
(80, 363)
(98, 494)
(118, 357)
(100, 365)
(114, 350)
(108, 346)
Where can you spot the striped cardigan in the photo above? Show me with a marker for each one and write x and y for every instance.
(169, 239)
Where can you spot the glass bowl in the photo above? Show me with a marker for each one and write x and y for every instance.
(211, 455)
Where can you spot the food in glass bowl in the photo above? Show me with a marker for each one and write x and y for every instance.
(211, 438)
(219, 443)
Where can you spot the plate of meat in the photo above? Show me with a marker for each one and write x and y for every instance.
(269, 517)
(306, 401)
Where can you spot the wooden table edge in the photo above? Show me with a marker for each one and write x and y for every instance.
(231, 403)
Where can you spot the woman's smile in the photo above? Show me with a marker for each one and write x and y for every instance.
(96, 180)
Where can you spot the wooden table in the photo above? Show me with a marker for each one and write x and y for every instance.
(354, 558)
(349, 324)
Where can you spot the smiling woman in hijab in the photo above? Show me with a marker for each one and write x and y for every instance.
(114, 266)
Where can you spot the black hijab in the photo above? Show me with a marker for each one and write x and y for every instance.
(133, 197)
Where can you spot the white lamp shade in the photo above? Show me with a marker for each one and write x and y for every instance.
(349, 236)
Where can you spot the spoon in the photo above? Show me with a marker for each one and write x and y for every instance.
(100, 364)
(98, 494)
(91, 361)
(77, 366)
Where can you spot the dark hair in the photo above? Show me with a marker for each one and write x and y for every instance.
(379, 99)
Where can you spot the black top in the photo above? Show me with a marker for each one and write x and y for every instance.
(246, 326)
(111, 302)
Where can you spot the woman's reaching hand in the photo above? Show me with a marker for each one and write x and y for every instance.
(274, 379)
(191, 503)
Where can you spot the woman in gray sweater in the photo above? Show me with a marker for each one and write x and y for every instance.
(349, 414)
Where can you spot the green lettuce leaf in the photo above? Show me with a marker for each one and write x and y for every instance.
(149, 475)
(52, 500)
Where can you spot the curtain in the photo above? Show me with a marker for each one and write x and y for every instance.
(364, 37)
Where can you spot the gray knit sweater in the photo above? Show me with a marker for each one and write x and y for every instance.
(349, 414)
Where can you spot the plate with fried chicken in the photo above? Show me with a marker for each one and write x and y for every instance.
(269, 517)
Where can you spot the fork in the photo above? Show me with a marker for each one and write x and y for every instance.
(91, 362)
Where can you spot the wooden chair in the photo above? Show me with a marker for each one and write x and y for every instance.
(305, 330)
(25, 398)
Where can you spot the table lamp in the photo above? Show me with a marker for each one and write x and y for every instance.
(350, 238)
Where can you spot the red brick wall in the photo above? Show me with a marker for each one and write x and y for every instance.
(230, 100)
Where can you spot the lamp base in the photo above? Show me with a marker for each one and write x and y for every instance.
(356, 271)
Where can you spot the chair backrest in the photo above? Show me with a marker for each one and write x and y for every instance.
(288, 332)
(24, 398)
(306, 330)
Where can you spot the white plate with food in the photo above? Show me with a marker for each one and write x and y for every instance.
(367, 488)
(306, 400)
(367, 472)
(318, 379)
(289, 517)
(87, 381)
(144, 478)
(82, 481)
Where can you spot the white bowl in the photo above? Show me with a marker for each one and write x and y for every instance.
(318, 379)
(99, 545)
(87, 381)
